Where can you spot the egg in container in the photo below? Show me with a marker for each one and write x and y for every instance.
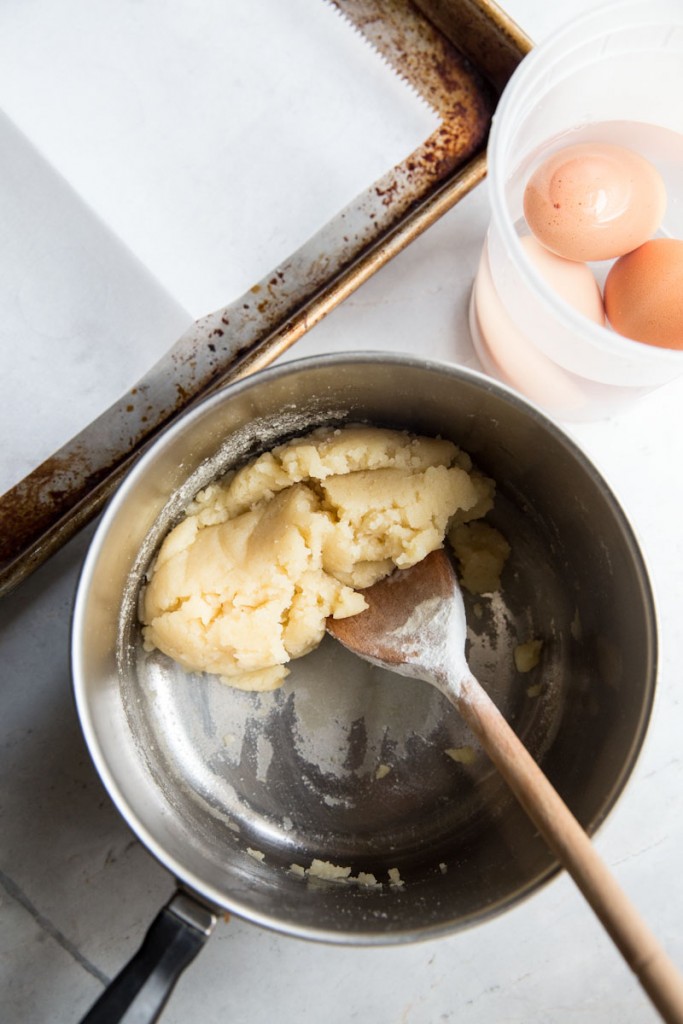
(585, 165)
(594, 201)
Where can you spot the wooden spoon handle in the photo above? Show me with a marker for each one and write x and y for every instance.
(564, 835)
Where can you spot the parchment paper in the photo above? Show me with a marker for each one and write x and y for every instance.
(159, 157)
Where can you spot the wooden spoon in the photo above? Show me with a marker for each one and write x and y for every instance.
(415, 625)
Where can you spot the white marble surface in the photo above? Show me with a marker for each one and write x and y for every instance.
(77, 890)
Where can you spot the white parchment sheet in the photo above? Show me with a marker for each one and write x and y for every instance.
(157, 158)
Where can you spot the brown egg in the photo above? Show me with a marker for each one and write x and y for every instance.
(644, 294)
(573, 281)
(594, 201)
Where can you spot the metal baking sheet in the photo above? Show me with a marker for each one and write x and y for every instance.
(458, 55)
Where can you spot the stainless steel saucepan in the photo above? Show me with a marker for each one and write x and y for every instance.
(250, 799)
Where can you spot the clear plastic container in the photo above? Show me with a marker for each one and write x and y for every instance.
(614, 75)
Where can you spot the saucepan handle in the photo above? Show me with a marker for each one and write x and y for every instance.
(139, 993)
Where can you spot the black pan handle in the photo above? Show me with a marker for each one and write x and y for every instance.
(139, 993)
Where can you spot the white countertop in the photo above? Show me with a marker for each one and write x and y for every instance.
(78, 891)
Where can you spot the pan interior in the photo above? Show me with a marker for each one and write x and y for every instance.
(250, 798)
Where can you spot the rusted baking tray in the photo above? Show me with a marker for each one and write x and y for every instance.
(458, 54)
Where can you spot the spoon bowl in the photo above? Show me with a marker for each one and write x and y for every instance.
(415, 625)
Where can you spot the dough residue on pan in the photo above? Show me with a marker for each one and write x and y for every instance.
(482, 552)
(527, 655)
(463, 755)
(245, 582)
(329, 872)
